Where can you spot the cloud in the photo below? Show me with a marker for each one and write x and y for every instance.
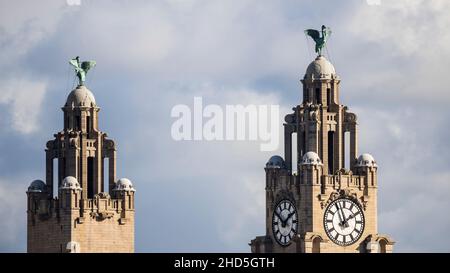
(392, 59)
(24, 25)
(410, 41)
(13, 206)
(23, 98)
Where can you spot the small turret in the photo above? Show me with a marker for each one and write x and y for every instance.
(311, 168)
(367, 166)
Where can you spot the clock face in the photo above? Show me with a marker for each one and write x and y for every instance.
(284, 222)
(343, 221)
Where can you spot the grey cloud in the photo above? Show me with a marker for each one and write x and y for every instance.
(152, 56)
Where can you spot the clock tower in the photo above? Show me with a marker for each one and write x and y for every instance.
(321, 204)
(80, 207)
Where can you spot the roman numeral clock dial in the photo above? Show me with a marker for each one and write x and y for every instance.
(343, 221)
(284, 222)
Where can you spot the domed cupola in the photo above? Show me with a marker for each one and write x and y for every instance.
(366, 160)
(81, 97)
(276, 162)
(37, 186)
(70, 183)
(124, 184)
(311, 158)
(320, 68)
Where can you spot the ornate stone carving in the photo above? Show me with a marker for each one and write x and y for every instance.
(343, 193)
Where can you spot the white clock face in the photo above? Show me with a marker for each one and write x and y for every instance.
(343, 221)
(284, 222)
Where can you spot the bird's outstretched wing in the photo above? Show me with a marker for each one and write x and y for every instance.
(74, 62)
(88, 65)
(315, 34)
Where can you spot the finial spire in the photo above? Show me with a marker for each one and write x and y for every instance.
(81, 68)
(320, 38)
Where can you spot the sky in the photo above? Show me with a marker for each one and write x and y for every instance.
(208, 196)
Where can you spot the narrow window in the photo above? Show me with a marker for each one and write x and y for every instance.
(90, 177)
(330, 151)
(318, 99)
(63, 168)
(304, 143)
(88, 124)
(328, 96)
(78, 125)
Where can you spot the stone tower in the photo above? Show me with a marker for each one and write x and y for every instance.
(89, 213)
(321, 205)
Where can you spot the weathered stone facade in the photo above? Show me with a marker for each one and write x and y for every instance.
(84, 216)
(319, 125)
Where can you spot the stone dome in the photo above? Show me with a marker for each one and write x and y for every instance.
(81, 96)
(124, 184)
(366, 160)
(37, 186)
(320, 68)
(311, 158)
(276, 162)
(71, 183)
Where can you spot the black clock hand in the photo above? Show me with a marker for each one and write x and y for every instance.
(276, 213)
(350, 217)
(344, 222)
(287, 218)
(281, 219)
(339, 214)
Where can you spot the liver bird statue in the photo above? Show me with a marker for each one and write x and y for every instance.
(81, 68)
(320, 38)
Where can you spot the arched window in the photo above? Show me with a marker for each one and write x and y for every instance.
(383, 244)
(316, 245)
